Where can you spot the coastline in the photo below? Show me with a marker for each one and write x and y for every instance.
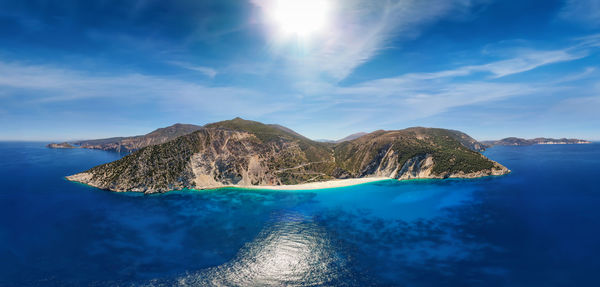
(305, 186)
(81, 179)
(321, 185)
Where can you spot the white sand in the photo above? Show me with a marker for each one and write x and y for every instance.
(318, 185)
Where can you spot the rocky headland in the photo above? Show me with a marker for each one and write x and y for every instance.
(60, 145)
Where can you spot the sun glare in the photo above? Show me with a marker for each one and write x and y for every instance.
(300, 18)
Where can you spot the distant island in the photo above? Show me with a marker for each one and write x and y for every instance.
(60, 145)
(250, 154)
(129, 144)
(513, 141)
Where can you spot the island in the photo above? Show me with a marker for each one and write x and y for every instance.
(60, 145)
(514, 141)
(249, 154)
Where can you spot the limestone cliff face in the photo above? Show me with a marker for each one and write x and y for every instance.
(245, 153)
(414, 153)
(420, 166)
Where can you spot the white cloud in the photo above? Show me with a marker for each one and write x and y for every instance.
(590, 41)
(414, 98)
(207, 71)
(361, 29)
(582, 11)
(523, 62)
(528, 61)
(46, 84)
(421, 95)
(584, 108)
(390, 102)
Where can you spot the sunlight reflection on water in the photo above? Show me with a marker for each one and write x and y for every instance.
(292, 250)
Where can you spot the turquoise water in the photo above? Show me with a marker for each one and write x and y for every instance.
(538, 226)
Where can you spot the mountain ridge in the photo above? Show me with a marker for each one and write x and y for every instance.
(133, 143)
(351, 137)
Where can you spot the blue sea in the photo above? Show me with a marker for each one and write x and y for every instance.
(538, 226)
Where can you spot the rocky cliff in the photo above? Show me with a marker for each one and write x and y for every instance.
(244, 153)
(414, 153)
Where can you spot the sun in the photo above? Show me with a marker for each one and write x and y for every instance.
(299, 18)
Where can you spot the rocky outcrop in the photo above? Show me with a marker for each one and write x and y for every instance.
(420, 166)
(60, 145)
(246, 153)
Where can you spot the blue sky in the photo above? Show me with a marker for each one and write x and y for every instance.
(91, 69)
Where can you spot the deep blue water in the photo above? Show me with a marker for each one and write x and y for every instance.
(539, 226)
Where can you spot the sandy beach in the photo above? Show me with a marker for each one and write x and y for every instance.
(317, 185)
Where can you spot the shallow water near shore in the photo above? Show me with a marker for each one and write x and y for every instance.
(538, 226)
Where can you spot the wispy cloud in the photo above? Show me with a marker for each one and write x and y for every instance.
(207, 71)
(414, 98)
(581, 107)
(421, 95)
(523, 62)
(47, 84)
(362, 29)
(590, 41)
(582, 11)
(388, 102)
(529, 61)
